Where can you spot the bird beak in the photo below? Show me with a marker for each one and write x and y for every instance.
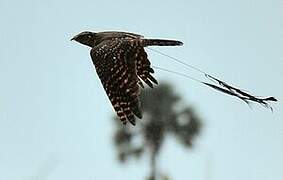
(74, 38)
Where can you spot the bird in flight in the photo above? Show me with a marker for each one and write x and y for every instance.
(122, 65)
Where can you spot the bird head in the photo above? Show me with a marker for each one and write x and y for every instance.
(87, 38)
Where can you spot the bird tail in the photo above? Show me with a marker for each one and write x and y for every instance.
(161, 42)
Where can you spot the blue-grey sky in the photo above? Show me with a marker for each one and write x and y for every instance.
(55, 116)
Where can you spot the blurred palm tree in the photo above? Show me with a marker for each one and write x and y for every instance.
(163, 113)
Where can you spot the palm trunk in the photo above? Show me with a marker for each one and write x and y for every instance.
(153, 169)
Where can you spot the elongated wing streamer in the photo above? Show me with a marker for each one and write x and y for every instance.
(218, 84)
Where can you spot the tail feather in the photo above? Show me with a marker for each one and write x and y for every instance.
(161, 42)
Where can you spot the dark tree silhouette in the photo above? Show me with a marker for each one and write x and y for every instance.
(163, 113)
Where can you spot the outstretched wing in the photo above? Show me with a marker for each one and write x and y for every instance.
(115, 64)
(119, 63)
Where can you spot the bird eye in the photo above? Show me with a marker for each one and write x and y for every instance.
(89, 36)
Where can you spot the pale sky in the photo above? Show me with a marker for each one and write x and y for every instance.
(55, 118)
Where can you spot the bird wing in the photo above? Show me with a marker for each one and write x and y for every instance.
(143, 67)
(115, 64)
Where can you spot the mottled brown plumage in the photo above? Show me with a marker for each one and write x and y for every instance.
(122, 66)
